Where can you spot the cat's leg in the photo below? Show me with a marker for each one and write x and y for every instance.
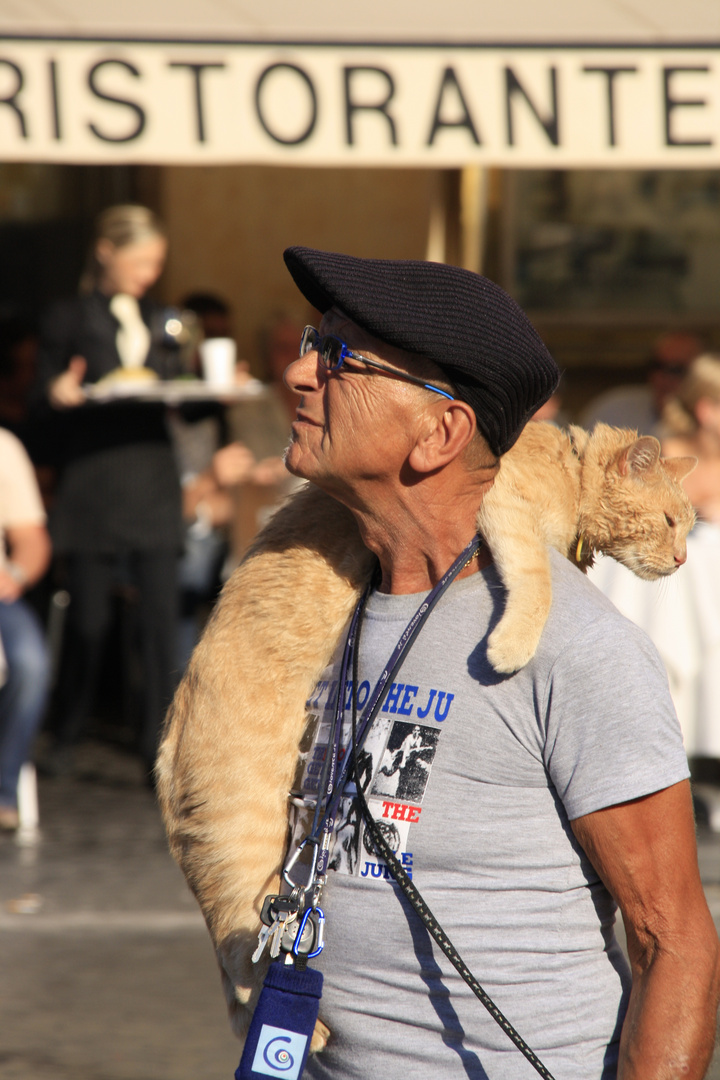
(521, 556)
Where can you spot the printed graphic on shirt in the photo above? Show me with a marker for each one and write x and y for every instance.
(353, 845)
(406, 763)
(394, 768)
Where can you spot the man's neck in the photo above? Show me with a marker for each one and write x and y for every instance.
(416, 541)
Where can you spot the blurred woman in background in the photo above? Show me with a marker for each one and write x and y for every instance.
(117, 508)
(692, 421)
(682, 614)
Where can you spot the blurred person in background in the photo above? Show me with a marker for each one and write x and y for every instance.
(263, 426)
(209, 469)
(640, 407)
(212, 312)
(18, 357)
(24, 663)
(18, 371)
(117, 509)
(692, 423)
(682, 615)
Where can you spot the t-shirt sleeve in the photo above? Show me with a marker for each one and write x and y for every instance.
(611, 731)
(20, 501)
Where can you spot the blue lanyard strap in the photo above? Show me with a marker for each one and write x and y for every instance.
(333, 781)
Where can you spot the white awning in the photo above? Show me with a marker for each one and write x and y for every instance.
(593, 83)
(638, 22)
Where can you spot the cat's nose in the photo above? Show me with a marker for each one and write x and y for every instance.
(681, 558)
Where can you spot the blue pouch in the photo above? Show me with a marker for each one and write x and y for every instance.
(278, 1041)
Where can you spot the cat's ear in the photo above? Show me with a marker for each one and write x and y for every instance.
(640, 457)
(679, 467)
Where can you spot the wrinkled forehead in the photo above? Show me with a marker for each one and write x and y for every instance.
(335, 321)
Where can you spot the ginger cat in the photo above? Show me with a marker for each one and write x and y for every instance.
(608, 491)
(230, 747)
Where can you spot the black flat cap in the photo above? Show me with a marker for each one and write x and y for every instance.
(466, 323)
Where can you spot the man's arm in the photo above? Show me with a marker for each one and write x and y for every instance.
(645, 852)
(29, 550)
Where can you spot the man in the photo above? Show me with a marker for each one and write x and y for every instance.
(541, 796)
(640, 407)
(25, 674)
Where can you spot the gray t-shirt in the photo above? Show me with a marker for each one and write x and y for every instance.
(474, 779)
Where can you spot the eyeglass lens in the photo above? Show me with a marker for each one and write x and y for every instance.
(330, 348)
(308, 339)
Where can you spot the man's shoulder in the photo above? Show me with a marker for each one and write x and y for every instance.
(583, 618)
(12, 450)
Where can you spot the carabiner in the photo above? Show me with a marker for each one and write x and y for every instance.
(318, 936)
(294, 858)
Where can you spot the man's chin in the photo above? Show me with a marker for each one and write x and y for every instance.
(293, 464)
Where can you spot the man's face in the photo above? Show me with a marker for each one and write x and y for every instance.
(672, 356)
(355, 424)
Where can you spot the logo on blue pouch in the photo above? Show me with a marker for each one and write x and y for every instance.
(279, 1053)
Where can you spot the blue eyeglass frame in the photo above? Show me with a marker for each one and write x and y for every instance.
(311, 339)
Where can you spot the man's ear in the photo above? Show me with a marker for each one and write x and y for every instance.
(444, 435)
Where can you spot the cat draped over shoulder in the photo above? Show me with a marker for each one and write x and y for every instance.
(231, 743)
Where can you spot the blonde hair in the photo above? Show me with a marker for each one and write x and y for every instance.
(122, 225)
(702, 381)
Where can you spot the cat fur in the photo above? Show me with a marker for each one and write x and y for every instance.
(609, 488)
(230, 745)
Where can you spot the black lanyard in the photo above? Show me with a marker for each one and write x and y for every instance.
(332, 785)
(333, 780)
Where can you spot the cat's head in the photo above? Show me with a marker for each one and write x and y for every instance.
(643, 515)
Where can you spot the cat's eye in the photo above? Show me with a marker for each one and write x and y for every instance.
(670, 521)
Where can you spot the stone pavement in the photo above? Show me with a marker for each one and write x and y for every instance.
(106, 969)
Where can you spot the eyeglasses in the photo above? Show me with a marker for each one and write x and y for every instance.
(333, 352)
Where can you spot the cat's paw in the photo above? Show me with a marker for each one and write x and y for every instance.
(508, 652)
(320, 1036)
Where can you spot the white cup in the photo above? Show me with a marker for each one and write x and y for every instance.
(218, 357)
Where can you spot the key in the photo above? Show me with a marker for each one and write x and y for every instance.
(276, 907)
(262, 942)
(277, 931)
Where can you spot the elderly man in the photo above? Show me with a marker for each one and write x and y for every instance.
(532, 804)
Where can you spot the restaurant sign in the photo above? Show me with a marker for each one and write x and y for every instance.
(112, 101)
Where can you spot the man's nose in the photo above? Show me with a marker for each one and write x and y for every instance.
(303, 374)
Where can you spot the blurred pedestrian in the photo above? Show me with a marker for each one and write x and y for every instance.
(683, 617)
(640, 406)
(263, 425)
(117, 509)
(692, 418)
(212, 312)
(692, 421)
(26, 667)
(18, 353)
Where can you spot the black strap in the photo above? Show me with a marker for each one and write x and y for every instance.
(398, 872)
(330, 783)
